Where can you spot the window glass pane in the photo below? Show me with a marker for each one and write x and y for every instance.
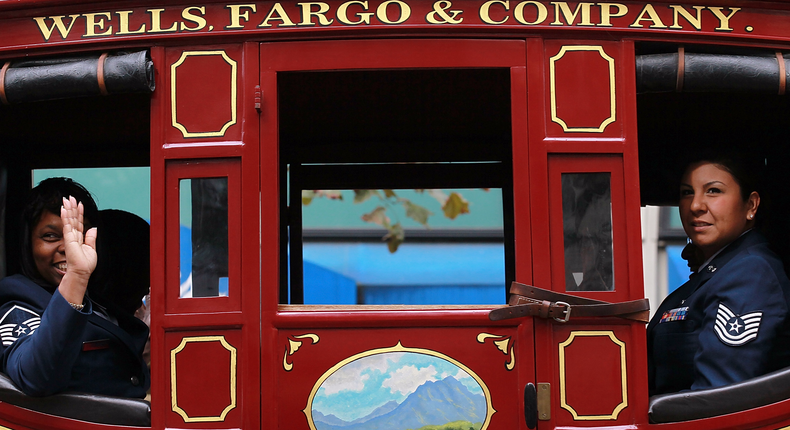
(587, 230)
(459, 261)
(204, 237)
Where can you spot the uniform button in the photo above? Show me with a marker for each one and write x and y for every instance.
(135, 381)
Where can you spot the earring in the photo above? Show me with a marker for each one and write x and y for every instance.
(751, 216)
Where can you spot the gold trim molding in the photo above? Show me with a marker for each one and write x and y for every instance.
(294, 345)
(173, 385)
(398, 348)
(612, 101)
(623, 381)
(233, 79)
(503, 344)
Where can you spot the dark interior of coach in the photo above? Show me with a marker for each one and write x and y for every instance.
(397, 129)
(111, 131)
(747, 123)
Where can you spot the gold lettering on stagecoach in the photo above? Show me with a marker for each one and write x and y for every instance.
(320, 14)
(236, 15)
(652, 16)
(724, 20)
(389, 12)
(156, 22)
(281, 16)
(485, 13)
(57, 22)
(607, 15)
(695, 22)
(542, 13)
(405, 12)
(439, 14)
(562, 8)
(123, 23)
(364, 17)
(198, 20)
(91, 23)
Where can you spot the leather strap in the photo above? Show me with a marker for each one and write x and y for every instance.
(782, 73)
(527, 300)
(3, 71)
(681, 68)
(100, 74)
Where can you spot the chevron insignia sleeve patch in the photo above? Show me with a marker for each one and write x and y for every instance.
(16, 323)
(736, 330)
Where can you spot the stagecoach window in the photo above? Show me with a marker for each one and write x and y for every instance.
(448, 262)
(587, 231)
(394, 138)
(204, 237)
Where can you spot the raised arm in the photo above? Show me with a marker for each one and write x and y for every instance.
(80, 251)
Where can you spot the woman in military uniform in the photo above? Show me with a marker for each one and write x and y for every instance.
(54, 337)
(729, 322)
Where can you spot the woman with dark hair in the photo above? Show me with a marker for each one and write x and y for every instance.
(730, 321)
(54, 337)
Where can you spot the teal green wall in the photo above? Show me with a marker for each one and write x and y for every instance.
(126, 188)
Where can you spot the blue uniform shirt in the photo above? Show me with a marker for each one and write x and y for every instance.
(728, 323)
(49, 347)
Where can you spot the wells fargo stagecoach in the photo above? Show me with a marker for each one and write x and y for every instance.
(579, 112)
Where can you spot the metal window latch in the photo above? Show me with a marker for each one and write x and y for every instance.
(567, 313)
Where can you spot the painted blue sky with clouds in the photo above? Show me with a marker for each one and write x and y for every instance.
(359, 387)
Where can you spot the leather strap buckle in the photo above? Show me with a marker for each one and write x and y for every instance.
(566, 312)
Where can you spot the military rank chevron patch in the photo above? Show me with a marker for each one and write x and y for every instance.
(18, 322)
(736, 330)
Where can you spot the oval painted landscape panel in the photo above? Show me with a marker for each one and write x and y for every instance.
(399, 389)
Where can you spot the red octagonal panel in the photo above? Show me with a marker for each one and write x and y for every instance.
(203, 93)
(582, 87)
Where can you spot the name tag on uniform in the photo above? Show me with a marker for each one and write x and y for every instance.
(677, 314)
(93, 345)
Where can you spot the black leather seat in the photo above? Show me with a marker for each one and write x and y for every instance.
(80, 406)
(692, 405)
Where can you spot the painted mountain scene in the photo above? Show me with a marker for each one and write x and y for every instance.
(400, 391)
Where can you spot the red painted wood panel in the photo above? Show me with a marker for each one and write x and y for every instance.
(399, 360)
(204, 88)
(235, 318)
(584, 85)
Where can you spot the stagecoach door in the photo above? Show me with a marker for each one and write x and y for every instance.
(387, 366)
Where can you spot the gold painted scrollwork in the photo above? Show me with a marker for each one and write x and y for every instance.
(503, 344)
(294, 345)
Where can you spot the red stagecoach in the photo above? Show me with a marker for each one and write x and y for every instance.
(248, 104)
